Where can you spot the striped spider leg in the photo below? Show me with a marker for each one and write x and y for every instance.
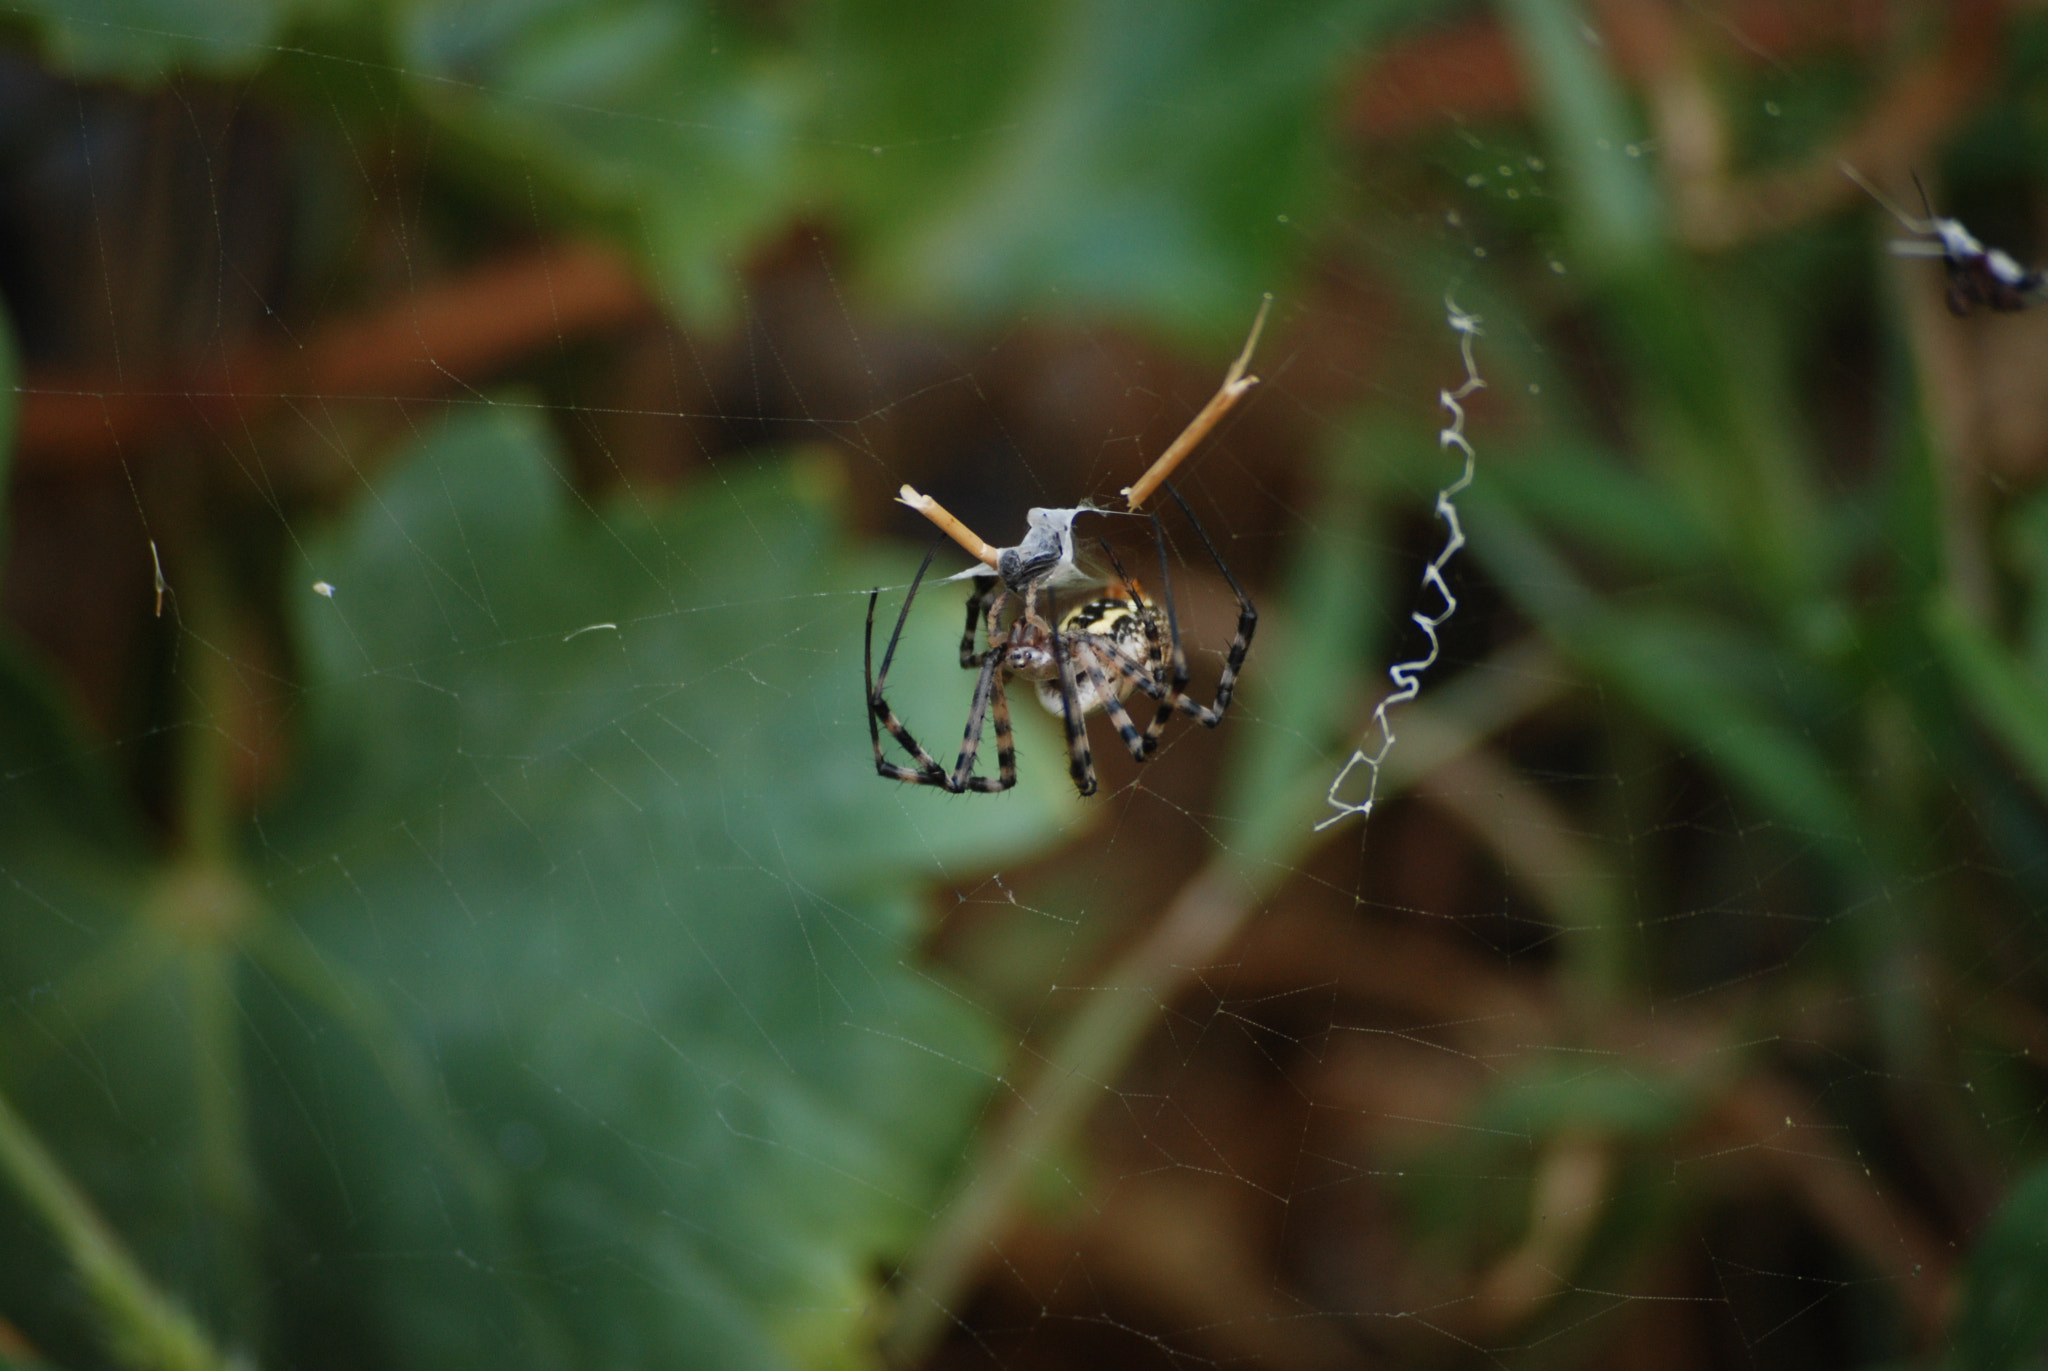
(1233, 660)
(990, 701)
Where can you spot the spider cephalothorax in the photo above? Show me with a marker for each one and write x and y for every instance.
(1091, 658)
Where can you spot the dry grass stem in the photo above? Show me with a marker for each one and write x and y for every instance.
(1235, 384)
(977, 546)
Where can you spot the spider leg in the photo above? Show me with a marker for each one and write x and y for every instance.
(1112, 706)
(1233, 661)
(1080, 763)
(876, 686)
(926, 772)
(1925, 202)
(1176, 683)
(963, 778)
(976, 598)
(1006, 744)
(999, 700)
(1144, 673)
(880, 716)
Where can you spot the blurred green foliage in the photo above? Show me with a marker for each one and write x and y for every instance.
(577, 951)
(2003, 1320)
(1780, 630)
(1138, 159)
(565, 1009)
(592, 942)
(1135, 158)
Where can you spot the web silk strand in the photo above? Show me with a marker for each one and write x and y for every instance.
(1407, 676)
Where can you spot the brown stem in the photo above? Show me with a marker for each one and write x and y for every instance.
(451, 334)
(977, 547)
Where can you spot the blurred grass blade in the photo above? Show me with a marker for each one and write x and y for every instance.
(1586, 494)
(148, 41)
(1700, 677)
(2002, 1324)
(1609, 1099)
(146, 1329)
(1713, 409)
(1613, 202)
(1685, 670)
(2006, 699)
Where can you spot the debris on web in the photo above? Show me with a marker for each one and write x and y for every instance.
(1407, 676)
(1045, 556)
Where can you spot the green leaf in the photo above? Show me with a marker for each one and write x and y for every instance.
(80, 972)
(2003, 1322)
(1156, 160)
(637, 894)
(145, 41)
(71, 856)
(666, 117)
(576, 980)
(69, 842)
(915, 97)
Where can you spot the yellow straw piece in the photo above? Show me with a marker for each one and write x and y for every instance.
(1235, 384)
(952, 527)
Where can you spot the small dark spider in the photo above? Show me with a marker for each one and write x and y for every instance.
(1977, 275)
(1091, 658)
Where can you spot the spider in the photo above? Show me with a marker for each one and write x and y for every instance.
(1977, 275)
(1090, 658)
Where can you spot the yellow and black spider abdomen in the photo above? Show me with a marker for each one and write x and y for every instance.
(1120, 619)
(1116, 622)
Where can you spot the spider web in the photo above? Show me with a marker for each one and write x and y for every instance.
(452, 917)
